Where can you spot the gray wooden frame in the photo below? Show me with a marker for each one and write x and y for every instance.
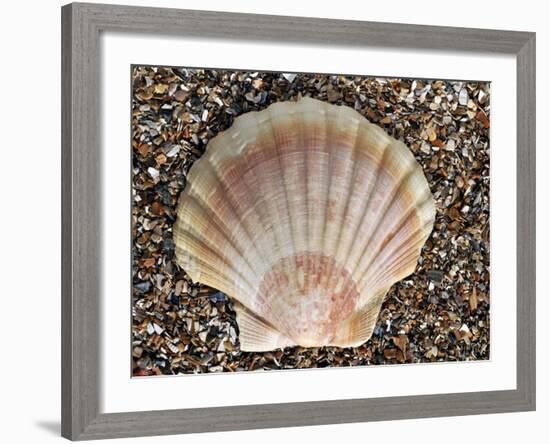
(81, 231)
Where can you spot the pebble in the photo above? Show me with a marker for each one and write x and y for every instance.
(289, 77)
(154, 173)
(463, 97)
(217, 297)
(435, 275)
(450, 145)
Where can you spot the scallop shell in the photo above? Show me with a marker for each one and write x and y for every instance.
(305, 214)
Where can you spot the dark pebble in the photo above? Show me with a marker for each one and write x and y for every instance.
(160, 362)
(435, 275)
(217, 297)
(143, 287)
(168, 245)
(143, 363)
(452, 338)
(172, 298)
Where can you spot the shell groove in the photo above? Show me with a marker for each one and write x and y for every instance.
(305, 214)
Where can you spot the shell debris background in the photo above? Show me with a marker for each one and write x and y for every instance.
(441, 313)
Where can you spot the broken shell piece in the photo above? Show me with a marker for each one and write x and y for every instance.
(305, 214)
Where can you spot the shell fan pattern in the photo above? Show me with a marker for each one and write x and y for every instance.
(305, 214)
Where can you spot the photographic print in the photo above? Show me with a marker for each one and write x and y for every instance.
(303, 220)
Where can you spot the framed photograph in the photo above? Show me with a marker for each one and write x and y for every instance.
(278, 221)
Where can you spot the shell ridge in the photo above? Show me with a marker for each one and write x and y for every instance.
(354, 157)
(341, 206)
(352, 270)
(324, 198)
(382, 281)
(377, 223)
(279, 321)
(192, 195)
(329, 130)
(306, 197)
(232, 199)
(237, 132)
(415, 209)
(306, 183)
(268, 225)
(405, 258)
(333, 282)
(285, 187)
(221, 227)
(302, 151)
(260, 190)
(385, 152)
(401, 268)
(256, 333)
(194, 237)
(191, 173)
(212, 276)
(246, 298)
(370, 316)
(358, 327)
(408, 254)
